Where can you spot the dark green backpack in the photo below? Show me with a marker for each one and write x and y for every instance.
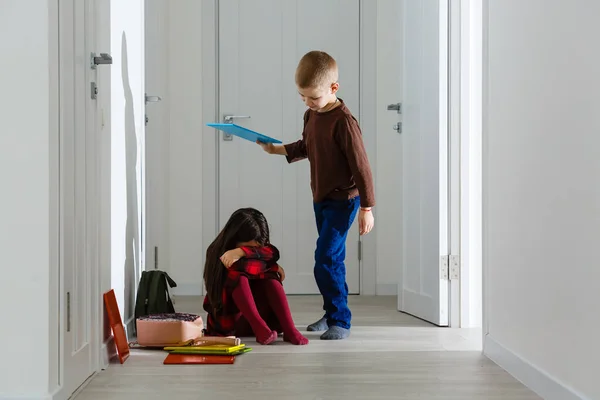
(153, 294)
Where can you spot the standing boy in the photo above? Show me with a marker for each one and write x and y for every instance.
(341, 183)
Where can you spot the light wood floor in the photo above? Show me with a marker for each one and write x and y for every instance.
(388, 356)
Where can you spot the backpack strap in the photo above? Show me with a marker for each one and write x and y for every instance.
(170, 284)
(170, 281)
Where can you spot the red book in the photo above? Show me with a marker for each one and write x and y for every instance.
(198, 359)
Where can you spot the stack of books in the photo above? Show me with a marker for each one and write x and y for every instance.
(207, 351)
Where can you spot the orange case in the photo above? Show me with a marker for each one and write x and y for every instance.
(116, 324)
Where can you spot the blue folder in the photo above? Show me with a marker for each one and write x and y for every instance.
(244, 133)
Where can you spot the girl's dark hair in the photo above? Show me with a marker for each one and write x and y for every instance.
(244, 225)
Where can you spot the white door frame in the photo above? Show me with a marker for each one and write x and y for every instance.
(469, 54)
(454, 157)
(94, 190)
(465, 162)
(484, 167)
(56, 331)
(103, 140)
(367, 115)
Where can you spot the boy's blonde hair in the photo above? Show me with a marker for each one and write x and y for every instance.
(316, 69)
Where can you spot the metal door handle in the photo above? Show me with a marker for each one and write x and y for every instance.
(153, 99)
(395, 107)
(229, 118)
(103, 59)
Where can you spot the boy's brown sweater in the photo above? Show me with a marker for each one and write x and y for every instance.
(339, 168)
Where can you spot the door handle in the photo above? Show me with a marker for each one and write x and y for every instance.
(152, 99)
(103, 59)
(398, 108)
(228, 119)
(395, 107)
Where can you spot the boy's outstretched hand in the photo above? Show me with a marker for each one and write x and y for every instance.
(272, 149)
(366, 221)
(268, 147)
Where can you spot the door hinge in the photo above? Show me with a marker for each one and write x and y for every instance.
(359, 250)
(454, 267)
(450, 267)
(68, 311)
(444, 271)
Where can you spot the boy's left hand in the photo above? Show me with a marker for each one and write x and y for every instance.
(366, 221)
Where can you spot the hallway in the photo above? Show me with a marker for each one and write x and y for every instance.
(389, 356)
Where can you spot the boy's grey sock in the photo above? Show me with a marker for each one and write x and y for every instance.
(335, 333)
(319, 326)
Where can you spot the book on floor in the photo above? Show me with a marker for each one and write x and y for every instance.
(211, 349)
(173, 359)
(200, 352)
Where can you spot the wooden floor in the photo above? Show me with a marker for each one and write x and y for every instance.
(388, 356)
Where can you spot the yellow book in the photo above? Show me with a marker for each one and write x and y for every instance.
(215, 348)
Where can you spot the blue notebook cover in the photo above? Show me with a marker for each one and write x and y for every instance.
(244, 133)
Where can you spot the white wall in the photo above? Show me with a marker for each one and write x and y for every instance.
(176, 217)
(127, 144)
(542, 193)
(28, 204)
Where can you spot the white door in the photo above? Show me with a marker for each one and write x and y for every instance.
(423, 282)
(77, 123)
(127, 152)
(260, 44)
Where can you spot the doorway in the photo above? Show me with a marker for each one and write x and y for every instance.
(441, 272)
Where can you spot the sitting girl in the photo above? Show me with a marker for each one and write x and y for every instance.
(244, 283)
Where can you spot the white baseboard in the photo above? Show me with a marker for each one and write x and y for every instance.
(26, 397)
(130, 328)
(108, 352)
(387, 289)
(187, 289)
(536, 379)
(59, 394)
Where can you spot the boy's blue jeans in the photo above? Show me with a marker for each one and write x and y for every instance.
(334, 219)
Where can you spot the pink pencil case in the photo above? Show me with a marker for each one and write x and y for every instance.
(174, 329)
